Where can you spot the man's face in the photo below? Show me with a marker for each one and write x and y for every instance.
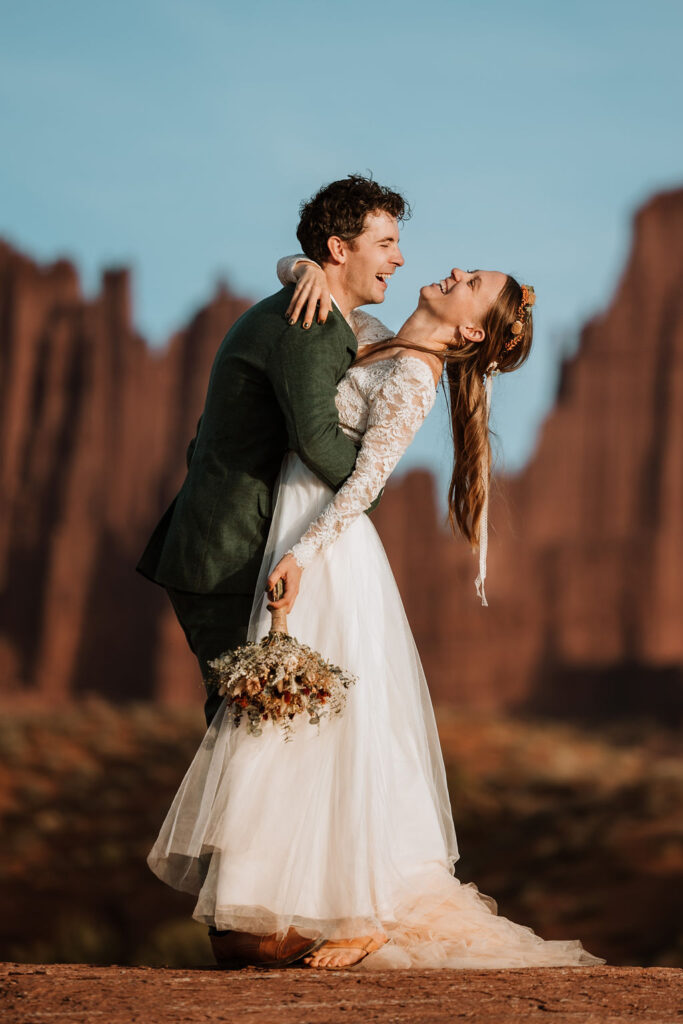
(371, 258)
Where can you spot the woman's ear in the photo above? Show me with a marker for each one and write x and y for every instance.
(472, 333)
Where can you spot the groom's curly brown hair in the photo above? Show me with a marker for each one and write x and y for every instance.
(340, 208)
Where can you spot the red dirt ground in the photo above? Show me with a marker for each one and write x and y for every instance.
(79, 994)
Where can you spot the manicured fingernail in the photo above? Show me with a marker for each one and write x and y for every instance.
(306, 326)
(291, 321)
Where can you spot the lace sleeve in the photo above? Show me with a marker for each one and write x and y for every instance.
(397, 410)
(285, 267)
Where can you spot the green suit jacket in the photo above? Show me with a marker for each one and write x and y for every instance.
(272, 388)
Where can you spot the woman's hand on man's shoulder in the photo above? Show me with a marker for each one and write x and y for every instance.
(311, 292)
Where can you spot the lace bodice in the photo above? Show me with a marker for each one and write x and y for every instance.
(384, 403)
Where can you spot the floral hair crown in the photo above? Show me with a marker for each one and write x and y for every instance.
(517, 328)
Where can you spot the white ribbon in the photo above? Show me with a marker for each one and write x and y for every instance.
(491, 372)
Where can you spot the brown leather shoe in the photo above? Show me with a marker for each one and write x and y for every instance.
(242, 949)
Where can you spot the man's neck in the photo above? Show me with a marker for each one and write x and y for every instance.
(345, 301)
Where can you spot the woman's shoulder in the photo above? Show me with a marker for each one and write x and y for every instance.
(419, 365)
(403, 378)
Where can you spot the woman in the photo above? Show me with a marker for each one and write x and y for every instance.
(345, 833)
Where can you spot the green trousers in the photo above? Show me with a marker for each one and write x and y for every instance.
(213, 624)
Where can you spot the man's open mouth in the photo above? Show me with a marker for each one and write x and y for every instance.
(384, 278)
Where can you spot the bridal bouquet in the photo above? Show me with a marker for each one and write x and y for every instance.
(278, 678)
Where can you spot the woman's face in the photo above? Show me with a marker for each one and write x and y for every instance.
(463, 299)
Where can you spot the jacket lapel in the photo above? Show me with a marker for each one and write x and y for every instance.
(349, 337)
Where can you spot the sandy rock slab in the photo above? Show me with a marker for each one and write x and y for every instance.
(120, 995)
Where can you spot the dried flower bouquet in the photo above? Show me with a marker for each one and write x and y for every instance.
(278, 678)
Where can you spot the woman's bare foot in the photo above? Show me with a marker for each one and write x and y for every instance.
(345, 952)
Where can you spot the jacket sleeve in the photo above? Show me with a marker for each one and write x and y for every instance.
(304, 369)
(367, 328)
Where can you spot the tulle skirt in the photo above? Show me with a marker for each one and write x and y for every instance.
(346, 828)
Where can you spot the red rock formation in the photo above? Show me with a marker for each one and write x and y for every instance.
(585, 583)
(94, 429)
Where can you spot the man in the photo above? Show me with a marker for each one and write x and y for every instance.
(272, 388)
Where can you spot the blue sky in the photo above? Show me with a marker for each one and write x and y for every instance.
(179, 137)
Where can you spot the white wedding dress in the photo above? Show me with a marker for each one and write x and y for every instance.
(347, 828)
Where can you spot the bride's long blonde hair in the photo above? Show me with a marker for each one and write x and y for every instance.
(466, 363)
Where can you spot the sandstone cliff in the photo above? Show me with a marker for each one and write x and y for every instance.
(585, 588)
(94, 430)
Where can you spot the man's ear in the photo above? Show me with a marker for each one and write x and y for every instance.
(336, 247)
(471, 333)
